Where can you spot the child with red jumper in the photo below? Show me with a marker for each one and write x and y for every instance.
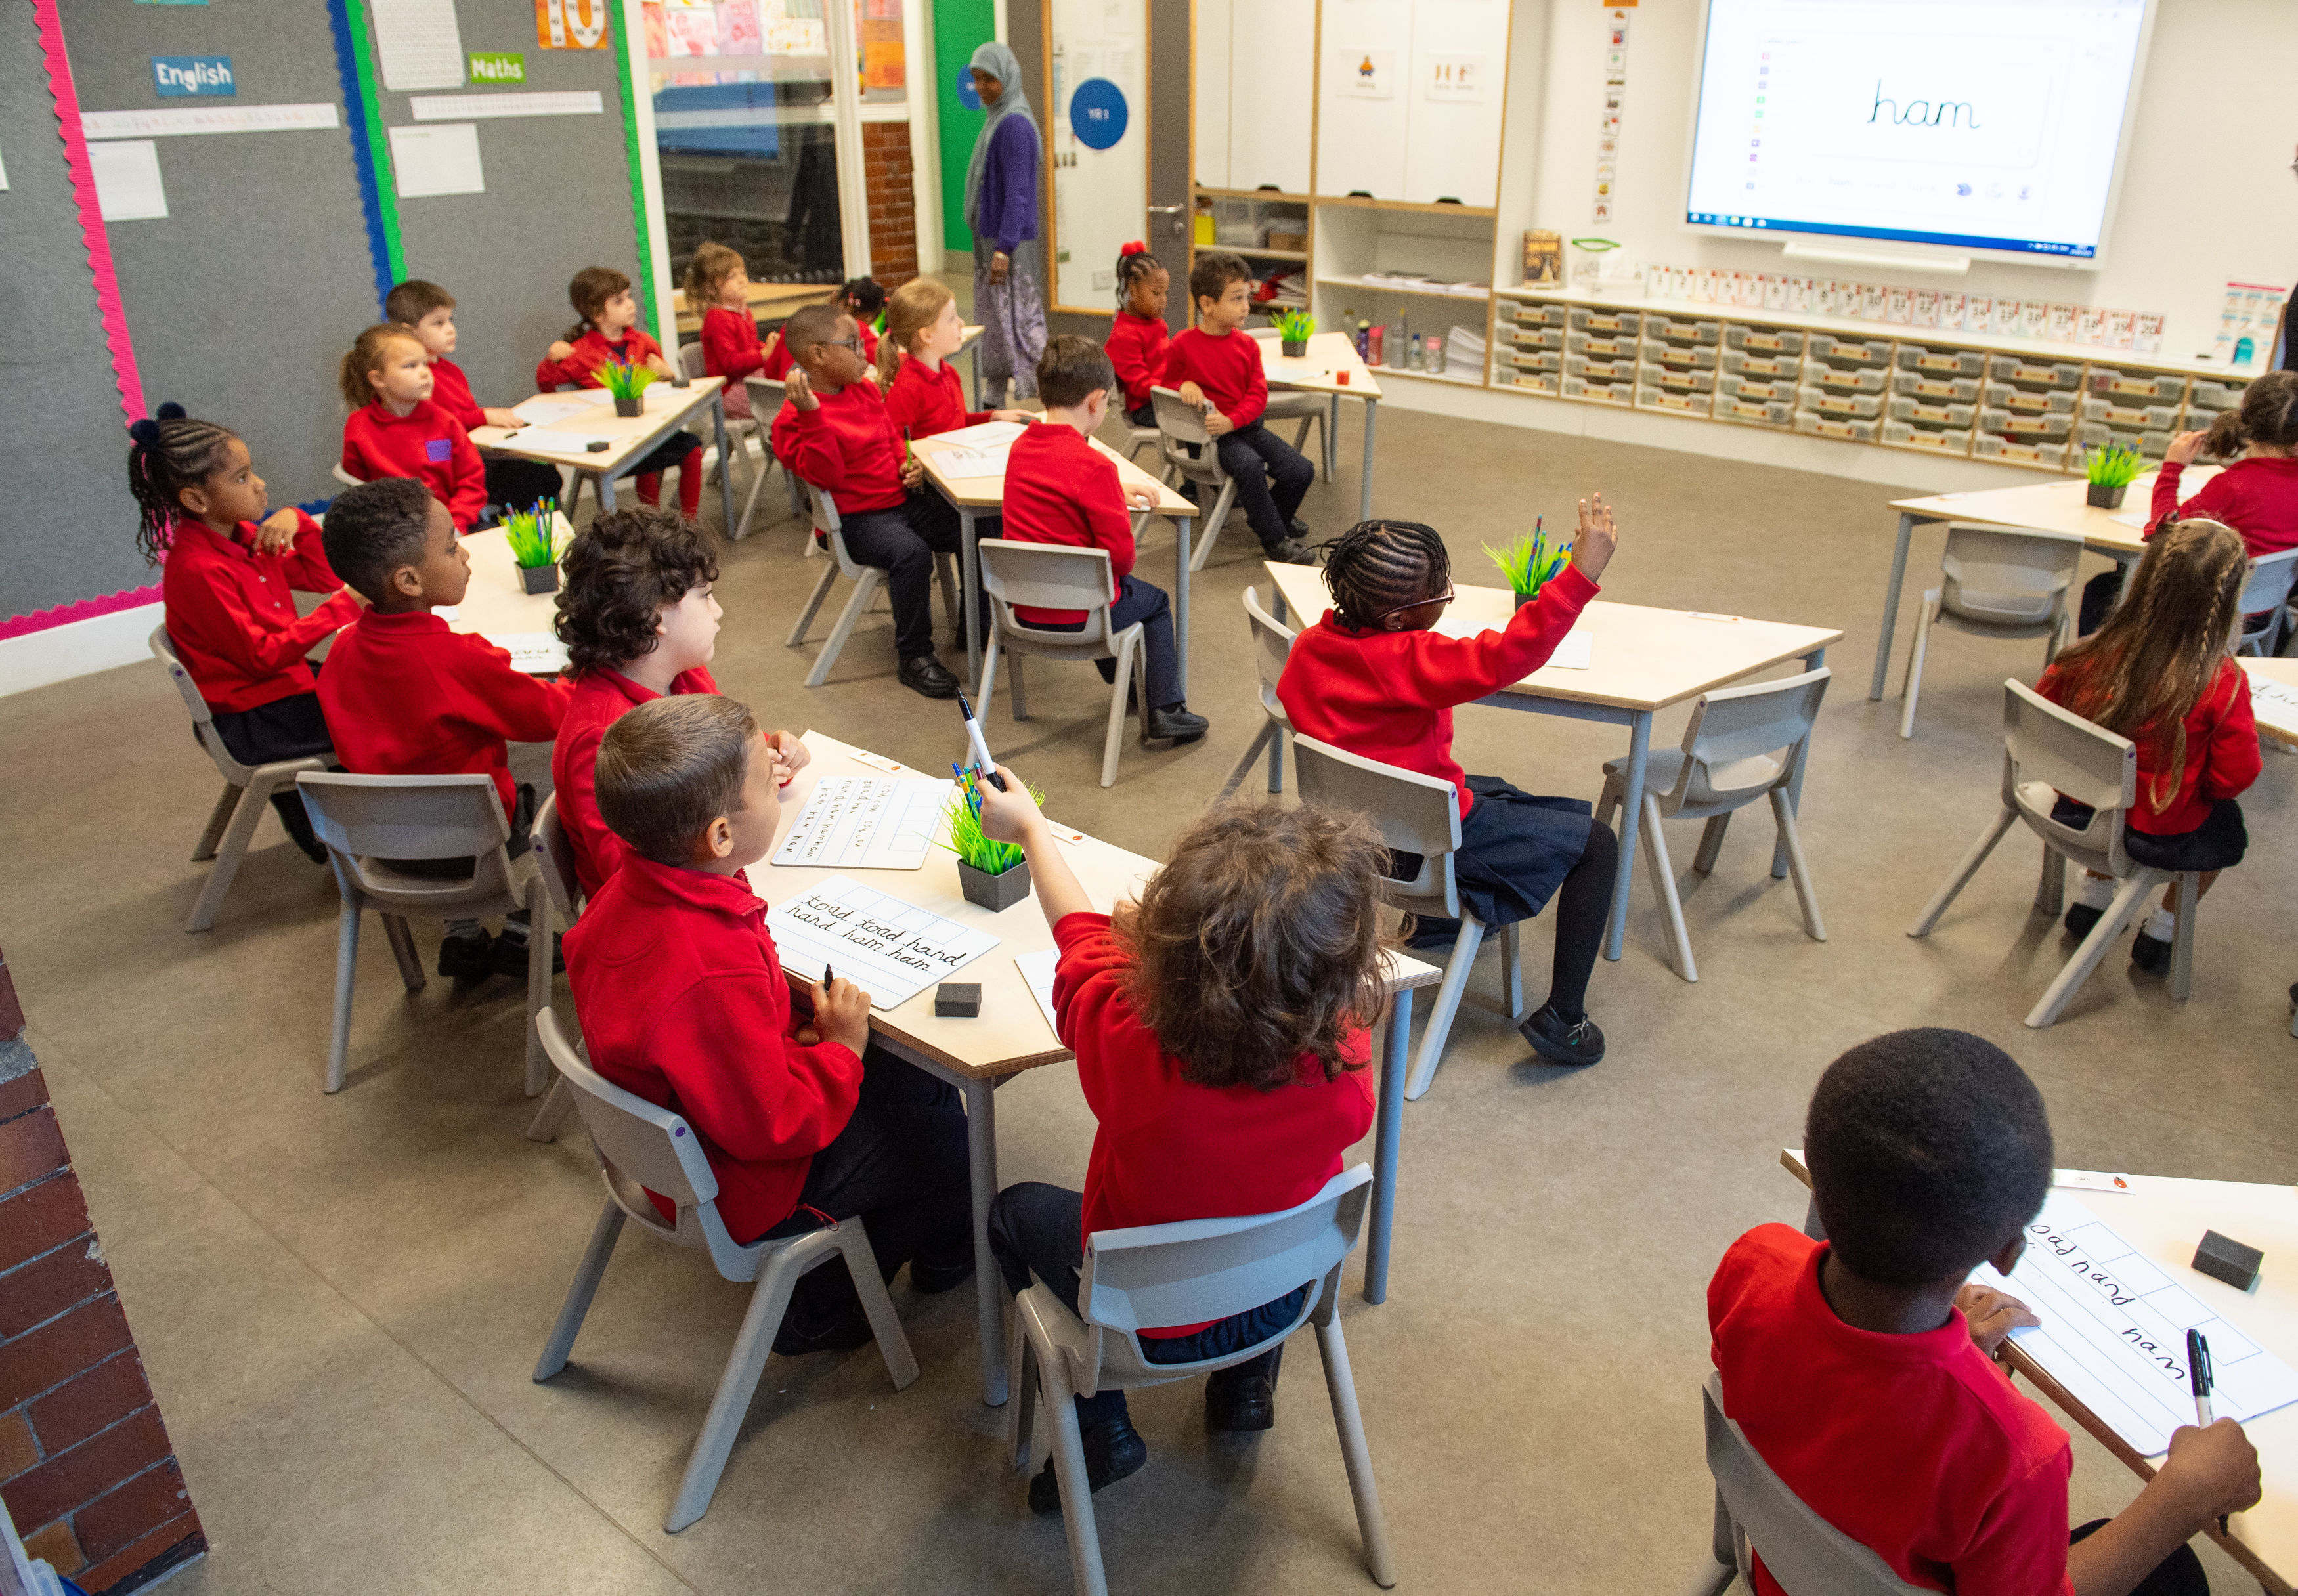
(395, 430)
(923, 394)
(1138, 337)
(1217, 367)
(428, 312)
(610, 331)
(718, 288)
(1859, 1365)
(1060, 488)
(1373, 678)
(229, 586)
(684, 1001)
(1220, 1028)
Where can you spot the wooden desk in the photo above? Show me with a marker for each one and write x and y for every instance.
(666, 408)
(2165, 1218)
(1330, 355)
(2277, 722)
(1642, 661)
(972, 496)
(2045, 507)
(1011, 1035)
(768, 301)
(496, 602)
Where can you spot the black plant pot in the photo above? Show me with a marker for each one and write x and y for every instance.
(1293, 349)
(995, 893)
(633, 406)
(539, 579)
(2102, 497)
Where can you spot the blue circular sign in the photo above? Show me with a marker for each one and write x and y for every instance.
(1097, 113)
(966, 96)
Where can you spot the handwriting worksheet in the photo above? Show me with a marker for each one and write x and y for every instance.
(891, 949)
(867, 823)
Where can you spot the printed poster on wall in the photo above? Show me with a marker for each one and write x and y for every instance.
(570, 24)
(1372, 74)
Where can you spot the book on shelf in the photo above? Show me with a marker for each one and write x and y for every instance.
(1543, 258)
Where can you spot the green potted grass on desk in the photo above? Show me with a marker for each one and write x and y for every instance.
(1293, 330)
(628, 383)
(1530, 563)
(533, 535)
(994, 874)
(2110, 471)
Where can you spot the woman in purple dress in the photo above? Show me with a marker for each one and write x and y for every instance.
(1001, 208)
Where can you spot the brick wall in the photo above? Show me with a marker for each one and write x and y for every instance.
(893, 202)
(86, 1467)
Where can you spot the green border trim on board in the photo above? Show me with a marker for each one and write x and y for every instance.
(641, 228)
(378, 142)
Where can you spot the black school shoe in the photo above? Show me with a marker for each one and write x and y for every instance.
(1174, 722)
(1111, 1451)
(849, 1330)
(926, 674)
(508, 957)
(2081, 918)
(1291, 551)
(1565, 1042)
(467, 957)
(2150, 953)
(1247, 1403)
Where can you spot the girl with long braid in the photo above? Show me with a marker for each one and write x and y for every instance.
(1373, 678)
(1138, 334)
(228, 589)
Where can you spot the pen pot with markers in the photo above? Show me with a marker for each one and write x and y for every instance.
(628, 383)
(993, 874)
(533, 535)
(1530, 563)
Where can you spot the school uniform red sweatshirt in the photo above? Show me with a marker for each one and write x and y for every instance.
(1916, 1446)
(845, 446)
(1137, 348)
(920, 402)
(231, 611)
(1165, 1149)
(2258, 497)
(1389, 695)
(427, 444)
(450, 391)
(1059, 489)
(2222, 758)
(1228, 369)
(591, 350)
(682, 1001)
(596, 700)
(731, 349)
(404, 696)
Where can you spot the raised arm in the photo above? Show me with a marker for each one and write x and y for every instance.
(1013, 816)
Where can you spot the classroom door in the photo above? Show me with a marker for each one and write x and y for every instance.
(1097, 69)
(1165, 229)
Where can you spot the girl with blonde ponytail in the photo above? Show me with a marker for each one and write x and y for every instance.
(923, 396)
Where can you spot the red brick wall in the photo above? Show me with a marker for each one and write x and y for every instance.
(893, 202)
(86, 1467)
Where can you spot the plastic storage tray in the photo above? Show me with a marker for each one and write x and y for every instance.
(1677, 381)
(2002, 396)
(2128, 418)
(1936, 390)
(1650, 398)
(2207, 395)
(1532, 359)
(1538, 382)
(1828, 426)
(1674, 331)
(1991, 447)
(1942, 362)
(1759, 389)
(1599, 372)
(2135, 387)
(1952, 442)
(1585, 320)
(1861, 407)
(1577, 387)
(2026, 428)
(2034, 374)
(1765, 412)
(1531, 337)
(1763, 340)
(1697, 356)
(1606, 347)
(1921, 413)
(1525, 315)
(1848, 351)
(1741, 362)
(2153, 443)
(1845, 379)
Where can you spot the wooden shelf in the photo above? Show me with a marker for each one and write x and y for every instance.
(1270, 195)
(1459, 299)
(1383, 373)
(1361, 202)
(1259, 254)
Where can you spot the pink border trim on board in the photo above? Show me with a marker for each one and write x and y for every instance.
(92, 237)
(78, 609)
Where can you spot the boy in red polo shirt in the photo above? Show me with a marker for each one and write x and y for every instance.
(405, 696)
(1859, 1367)
(1059, 489)
(684, 1001)
(428, 312)
(1216, 367)
(833, 432)
(395, 430)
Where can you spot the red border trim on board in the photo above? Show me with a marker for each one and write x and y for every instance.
(97, 245)
(78, 609)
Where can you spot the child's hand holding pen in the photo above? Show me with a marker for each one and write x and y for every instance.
(841, 1014)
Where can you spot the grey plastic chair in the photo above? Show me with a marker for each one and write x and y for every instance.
(548, 846)
(1421, 816)
(1180, 428)
(868, 580)
(1755, 1510)
(739, 430)
(1272, 642)
(1052, 577)
(1178, 1274)
(2049, 750)
(766, 397)
(642, 1148)
(1743, 743)
(366, 820)
(1319, 409)
(2267, 587)
(1995, 583)
(246, 794)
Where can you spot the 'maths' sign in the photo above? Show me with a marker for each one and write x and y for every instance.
(494, 66)
(174, 76)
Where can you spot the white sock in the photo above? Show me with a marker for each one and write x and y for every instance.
(2161, 924)
(2094, 891)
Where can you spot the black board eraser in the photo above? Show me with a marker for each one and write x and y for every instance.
(957, 1000)
(2222, 1258)
(598, 446)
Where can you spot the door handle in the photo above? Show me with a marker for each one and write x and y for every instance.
(1176, 213)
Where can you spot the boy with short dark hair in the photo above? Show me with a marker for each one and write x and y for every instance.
(833, 432)
(682, 1001)
(1858, 1365)
(405, 696)
(1060, 488)
(1216, 367)
(427, 310)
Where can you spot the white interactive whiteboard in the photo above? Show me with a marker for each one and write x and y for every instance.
(1996, 127)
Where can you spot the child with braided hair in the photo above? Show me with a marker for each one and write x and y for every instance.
(1374, 678)
(1138, 335)
(232, 573)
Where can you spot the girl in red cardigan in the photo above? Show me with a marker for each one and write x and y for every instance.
(718, 287)
(610, 331)
(922, 396)
(1138, 335)
(2159, 672)
(395, 430)
(1374, 678)
(1220, 1028)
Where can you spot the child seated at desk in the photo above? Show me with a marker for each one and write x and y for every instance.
(1138, 336)
(2159, 671)
(682, 1001)
(608, 331)
(639, 623)
(718, 290)
(922, 393)
(1858, 1365)
(1374, 677)
(395, 430)
(1059, 489)
(833, 430)
(863, 298)
(1216, 367)
(228, 583)
(428, 312)
(1220, 1028)
(405, 696)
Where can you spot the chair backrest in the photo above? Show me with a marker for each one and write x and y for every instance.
(1732, 731)
(2053, 750)
(2267, 587)
(1272, 643)
(555, 860)
(1414, 815)
(691, 358)
(822, 510)
(766, 396)
(366, 821)
(344, 477)
(1049, 576)
(1807, 1555)
(1181, 427)
(2007, 578)
(164, 648)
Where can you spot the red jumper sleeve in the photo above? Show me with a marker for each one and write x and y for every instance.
(521, 707)
(2165, 506)
(258, 641)
(1128, 357)
(468, 474)
(305, 561)
(2233, 762)
(726, 350)
(601, 845)
(1256, 385)
(752, 1090)
(803, 438)
(1445, 670)
(1090, 1002)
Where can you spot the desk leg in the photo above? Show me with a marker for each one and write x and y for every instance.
(1331, 429)
(606, 480)
(1181, 603)
(975, 353)
(1395, 1060)
(968, 560)
(725, 462)
(988, 1285)
(1631, 820)
(1364, 484)
(1891, 606)
(1811, 662)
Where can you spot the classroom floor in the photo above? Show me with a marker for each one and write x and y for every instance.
(339, 1299)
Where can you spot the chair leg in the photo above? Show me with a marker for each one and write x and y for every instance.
(1964, 872)
(1018, 688)
(749, 505)
(1671, 906)
(1069, 1469)
(2051, 890)
(1447, 1005)
(871, 579)
(218, 817)
(1341, 1386)
(946, 574)
(541, 932)
(1115, 737)
(1798, 871)
(813, 604)
(339, 1036)
(544, 1126)
(1614, 787)
(1916, 649)
(990, 670)
(1512, 968)
(1276, 763)
(1021, 1396)
(402, 950)
(1214, 521)
(580, 1291)
(731, 1401)
(1252, 757)
(253, 802)
(885, 1323)
(2182, 940)
(2128, 900)
(1711, 842)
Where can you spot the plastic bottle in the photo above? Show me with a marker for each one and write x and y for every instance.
(1419, 356)
(1364, 341)
(1436, 355)
(1372, 349)
(1399, 343)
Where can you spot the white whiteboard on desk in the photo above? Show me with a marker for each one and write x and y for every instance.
(868, 822)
